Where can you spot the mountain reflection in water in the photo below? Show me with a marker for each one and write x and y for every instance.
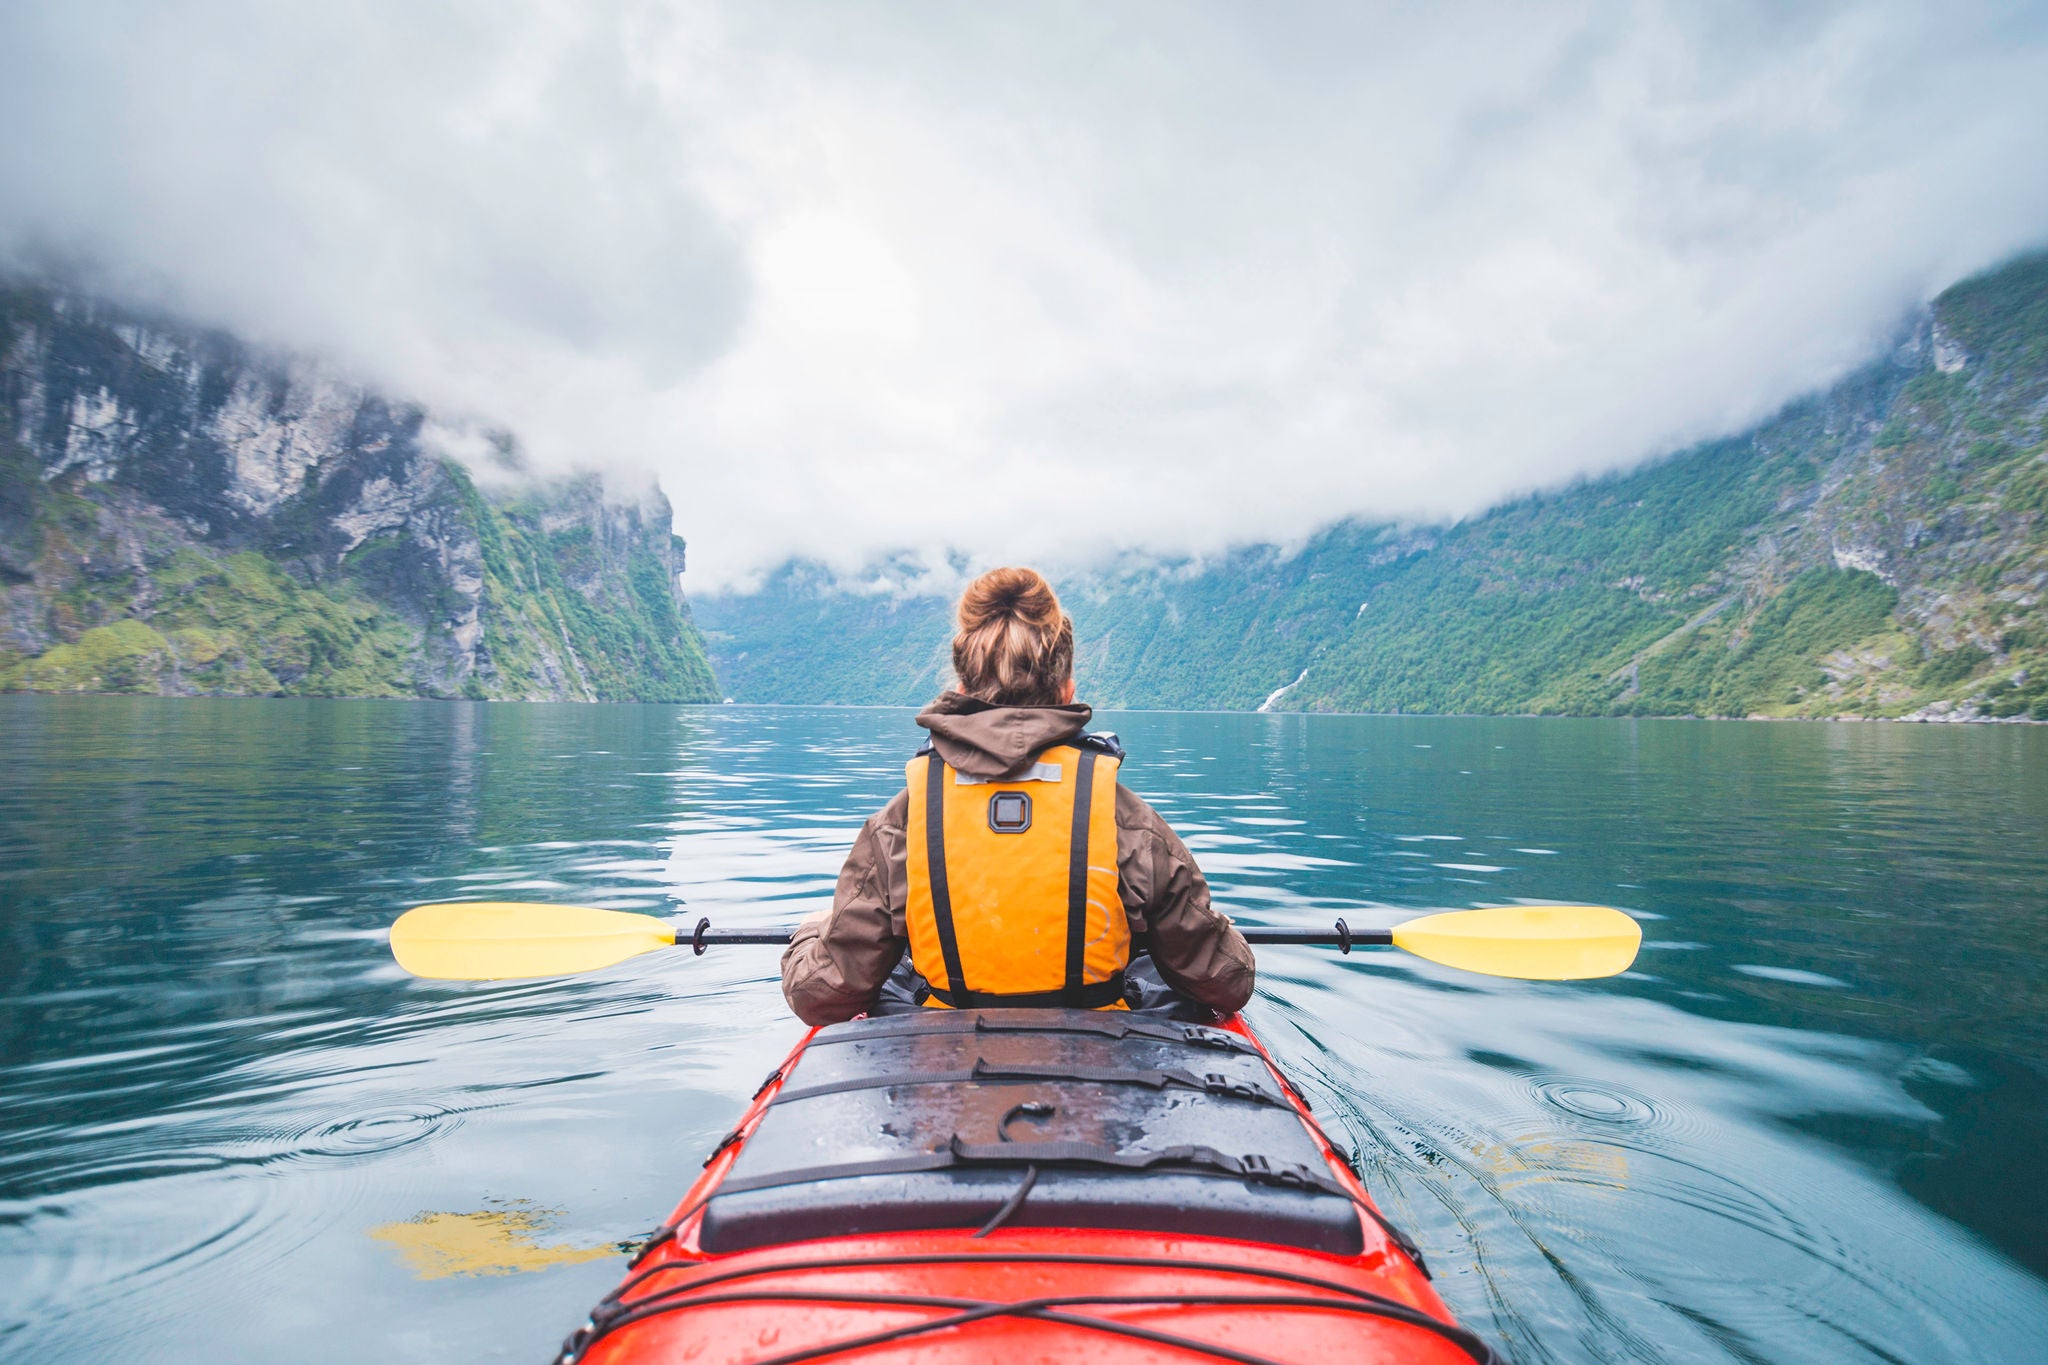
(1805, 1128)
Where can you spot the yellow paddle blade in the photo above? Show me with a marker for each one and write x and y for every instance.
(494, 940)
(1534, 942)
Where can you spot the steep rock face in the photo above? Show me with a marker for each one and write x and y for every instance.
(1880, 549)
(1949, 500)
(181, 513)
(1907, 554)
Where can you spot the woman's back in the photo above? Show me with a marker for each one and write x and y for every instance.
(1014, 868)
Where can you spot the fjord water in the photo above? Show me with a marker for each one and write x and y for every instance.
(1808, 1127)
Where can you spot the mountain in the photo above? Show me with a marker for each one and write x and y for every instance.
(182, 513)
(1879, 549)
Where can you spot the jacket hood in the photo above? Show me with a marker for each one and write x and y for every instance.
(985, 740)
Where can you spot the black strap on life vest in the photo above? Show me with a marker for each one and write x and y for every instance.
(1077, 874)
(935, 863)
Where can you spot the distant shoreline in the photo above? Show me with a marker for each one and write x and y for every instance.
(1101, 710)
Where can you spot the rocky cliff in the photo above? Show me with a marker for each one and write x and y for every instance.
(185, 514)
(1876, 550)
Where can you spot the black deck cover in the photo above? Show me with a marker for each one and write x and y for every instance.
(931, 1121)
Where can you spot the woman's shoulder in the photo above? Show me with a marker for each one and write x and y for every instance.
(890, 818)
(1134, 815)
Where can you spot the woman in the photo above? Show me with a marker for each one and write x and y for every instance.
(1013, 866)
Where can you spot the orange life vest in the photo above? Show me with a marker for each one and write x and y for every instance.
(1013, 897)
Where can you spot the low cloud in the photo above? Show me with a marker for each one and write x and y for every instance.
(1050, 280)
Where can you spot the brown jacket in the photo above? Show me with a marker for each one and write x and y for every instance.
(837, 960)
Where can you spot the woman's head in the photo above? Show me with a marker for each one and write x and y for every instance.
(1015, 647)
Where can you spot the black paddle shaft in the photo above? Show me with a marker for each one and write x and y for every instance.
(1342, 937)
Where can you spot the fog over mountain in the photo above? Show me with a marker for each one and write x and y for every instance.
(1041, 279)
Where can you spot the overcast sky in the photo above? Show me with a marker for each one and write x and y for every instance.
(1039, 280)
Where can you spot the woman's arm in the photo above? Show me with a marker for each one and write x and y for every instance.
(1197, 949)
(837, 959)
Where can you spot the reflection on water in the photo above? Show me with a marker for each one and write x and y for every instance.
(1805, 1128)
(495, 1241)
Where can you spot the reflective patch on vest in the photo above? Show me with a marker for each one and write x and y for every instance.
(1009, 812)
(1037, 772)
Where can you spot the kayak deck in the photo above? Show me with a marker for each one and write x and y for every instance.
(950, 1185)
(935, 1120)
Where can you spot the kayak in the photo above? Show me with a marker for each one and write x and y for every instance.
(1026, 1185)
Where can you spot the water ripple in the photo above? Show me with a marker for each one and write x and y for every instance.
(1600, 1102)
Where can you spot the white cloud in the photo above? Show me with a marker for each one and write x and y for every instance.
(1043, 280)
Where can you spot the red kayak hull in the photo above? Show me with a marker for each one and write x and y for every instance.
(1022, 1294)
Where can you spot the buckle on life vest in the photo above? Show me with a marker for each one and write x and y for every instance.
(1009, 812)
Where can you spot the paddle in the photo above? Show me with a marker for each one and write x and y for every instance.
(498, 940)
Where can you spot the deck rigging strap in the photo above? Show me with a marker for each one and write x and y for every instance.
(1154, 1078)
(1192, 1158)
(1115, 1026)
(1151, 1078)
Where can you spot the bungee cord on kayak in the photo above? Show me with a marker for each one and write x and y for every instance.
(617, 1311)
(972, 1311)
(607, 1305)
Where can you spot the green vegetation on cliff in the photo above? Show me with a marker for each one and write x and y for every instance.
(1877, 550)
(179, 515)
(229, 626)
(622, 629)
(193, 621)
